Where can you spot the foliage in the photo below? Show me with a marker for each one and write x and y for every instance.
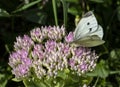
(20, 16)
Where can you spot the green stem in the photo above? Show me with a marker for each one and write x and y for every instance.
(64, 12)
(54, 3)
(96, 81)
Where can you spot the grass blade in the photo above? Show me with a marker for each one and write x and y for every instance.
(54, 3)
(26, 6)
(65, 12)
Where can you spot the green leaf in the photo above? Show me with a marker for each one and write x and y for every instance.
(86, 80)
(74, 77)
(49, 82)
(26, 6)
(4, 13)
(114, 72)
(16, 80)
(59, 84)
(62, 75)
(35, 15)
(4, 79)
(31, 83)
(114, 54)
(100, 70)
(97, 1)
(72, 1)
(74, 10)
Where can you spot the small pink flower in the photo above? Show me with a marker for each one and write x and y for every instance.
(50, 45)
(69, 38)
(72, 62)
(79, 51)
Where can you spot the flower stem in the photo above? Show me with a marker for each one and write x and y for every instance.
(55, 11)
(96, 81)
(64, 12)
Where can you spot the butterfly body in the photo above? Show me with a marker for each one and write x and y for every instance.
(88, 33)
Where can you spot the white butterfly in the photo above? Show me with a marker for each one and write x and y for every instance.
(88, 33)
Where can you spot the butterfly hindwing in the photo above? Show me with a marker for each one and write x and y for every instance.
(98, 32)
(89, 41)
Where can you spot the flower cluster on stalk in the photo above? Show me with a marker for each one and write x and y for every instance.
(46, 51)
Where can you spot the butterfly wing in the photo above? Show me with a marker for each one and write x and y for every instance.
(98, 32)
(89, 41)
(86, 24)
(88, 33)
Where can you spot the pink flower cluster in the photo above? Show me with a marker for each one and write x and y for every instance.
(46, 51)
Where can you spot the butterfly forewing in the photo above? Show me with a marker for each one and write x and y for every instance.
(88, 14)
(85, 26)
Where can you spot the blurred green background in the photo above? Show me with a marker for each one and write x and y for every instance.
(18, 17)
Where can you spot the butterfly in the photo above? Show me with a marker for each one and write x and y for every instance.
(88, 33)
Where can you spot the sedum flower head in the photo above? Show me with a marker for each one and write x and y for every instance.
(83, 60)
(46, 51)
(21, 63)
(23, 43)
(43, 33)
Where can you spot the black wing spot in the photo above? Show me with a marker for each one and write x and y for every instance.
(88, 23)
(90, 29)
